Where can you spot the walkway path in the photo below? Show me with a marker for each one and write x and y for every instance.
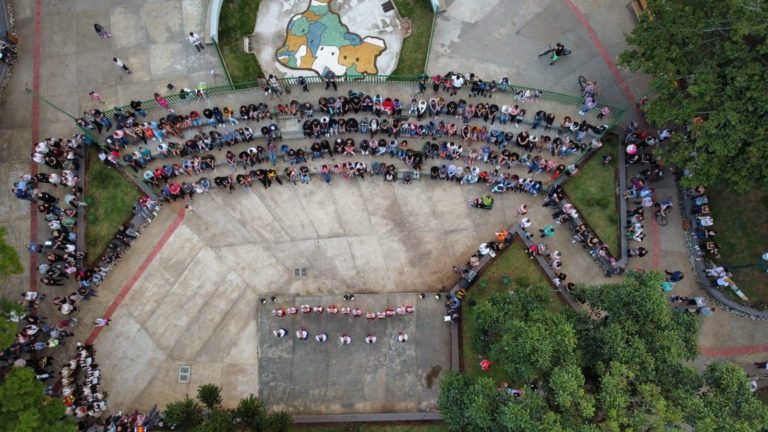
(594, 30)
(63, 58)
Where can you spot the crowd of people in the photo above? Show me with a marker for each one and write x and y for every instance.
(343, 311)
(535, 154)
(56, 191)
(457, 135)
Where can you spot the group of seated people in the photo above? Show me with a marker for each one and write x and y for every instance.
(704, 230)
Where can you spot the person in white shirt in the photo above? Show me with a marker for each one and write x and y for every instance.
(120, 64)
(195, 40)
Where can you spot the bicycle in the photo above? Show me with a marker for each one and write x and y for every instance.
(661, 218)
(555, 56)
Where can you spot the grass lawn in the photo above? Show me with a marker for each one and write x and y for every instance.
(515, 268)
(110, 199)
(593, 192)
(742, 233)
(373, 428)
(413, 54)
(238, 18)
(762, 394)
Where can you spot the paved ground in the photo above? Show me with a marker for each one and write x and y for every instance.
(201, 267)
(195, 302)
(150, 37)
(328, 378)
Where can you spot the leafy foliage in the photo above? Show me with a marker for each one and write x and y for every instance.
(250, 414)
(185, 414)
(8, 328)
(218, 420)
(24, 407)
(708, 59)
(10, 264)
(617, 364)
(209, 395)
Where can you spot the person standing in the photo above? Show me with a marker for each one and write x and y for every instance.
(195, 40)
(96, 97)
(120, 64)
(101, 322)
(330, 80)
(101, 31)
(303, 83)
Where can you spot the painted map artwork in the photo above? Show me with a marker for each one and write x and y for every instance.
(317, 40)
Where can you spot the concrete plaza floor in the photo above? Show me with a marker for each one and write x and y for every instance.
(310, 377)
(196, 302)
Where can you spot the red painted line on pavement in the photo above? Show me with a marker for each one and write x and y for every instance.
(731, 352)
(35, 132)
(628, 95)
(142, 268)
(604, 54)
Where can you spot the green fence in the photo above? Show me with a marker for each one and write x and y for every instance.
(227, 89)
(221, 60)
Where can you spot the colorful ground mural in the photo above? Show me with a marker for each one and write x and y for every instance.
(317, 40)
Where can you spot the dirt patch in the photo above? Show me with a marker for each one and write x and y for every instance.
(433, 373)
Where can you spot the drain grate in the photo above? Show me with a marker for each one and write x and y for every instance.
(184, 374)
(301, 272)
(388, 6)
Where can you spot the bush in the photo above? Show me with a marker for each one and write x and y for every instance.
(184, 415)
(209, 395)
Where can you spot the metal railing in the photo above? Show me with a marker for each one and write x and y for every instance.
(429, 46)
(221, 60)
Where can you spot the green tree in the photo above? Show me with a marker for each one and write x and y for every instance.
(567, 383)
(529, 413)
(452, 401)
(521, 335)
(8, 328)
(185, 414)
(632, 323)
(10, 264)
(727, 402)
(279, 421)
(209, 395)
(25, 408)
(218, 420)
(481, 404)
(251, 413)
(709, 60)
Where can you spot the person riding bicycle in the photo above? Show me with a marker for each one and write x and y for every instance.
(590, 89)
(664, 205)
(559, 49)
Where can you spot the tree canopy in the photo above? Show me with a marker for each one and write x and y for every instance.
(24, 407)
(618, 364)
(9, 258)
(709, 63)
(250, 414)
